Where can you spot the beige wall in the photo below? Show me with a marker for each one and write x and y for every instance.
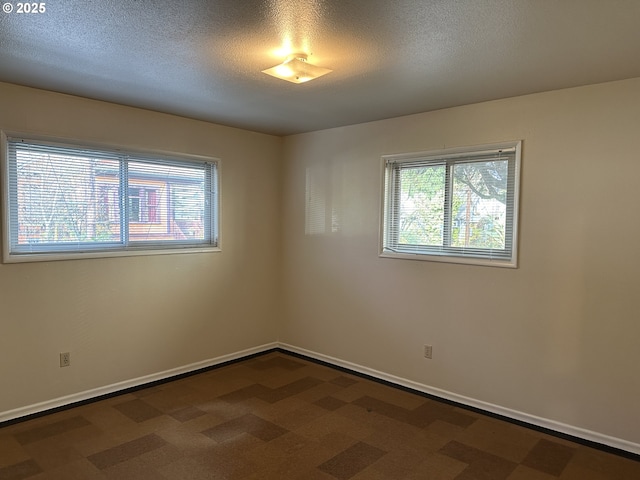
(124, 318)
(556, 338)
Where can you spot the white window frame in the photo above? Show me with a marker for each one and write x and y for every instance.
(73, 251)
(389, 246)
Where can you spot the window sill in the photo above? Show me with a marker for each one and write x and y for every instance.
(451, 259)
(133, 252)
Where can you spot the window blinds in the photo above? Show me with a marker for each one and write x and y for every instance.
(65, 198)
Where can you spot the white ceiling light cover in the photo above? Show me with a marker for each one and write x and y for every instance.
(296, 69)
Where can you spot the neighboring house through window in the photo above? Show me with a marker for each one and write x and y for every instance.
(73, 200)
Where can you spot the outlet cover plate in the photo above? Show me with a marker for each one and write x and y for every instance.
(65, 359)
(428, 351)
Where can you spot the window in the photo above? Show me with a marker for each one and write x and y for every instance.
(143, 204)
(453, 205)
(65, 201)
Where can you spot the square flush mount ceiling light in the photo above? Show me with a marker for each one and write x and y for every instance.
(296, 69)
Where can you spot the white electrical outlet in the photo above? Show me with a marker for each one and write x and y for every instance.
(428, 351)
(65, 359)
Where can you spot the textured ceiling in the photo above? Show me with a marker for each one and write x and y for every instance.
(203, 58)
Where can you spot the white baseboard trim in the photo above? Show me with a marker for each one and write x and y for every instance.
(472, 402)
(574, 431)
(135, 382)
